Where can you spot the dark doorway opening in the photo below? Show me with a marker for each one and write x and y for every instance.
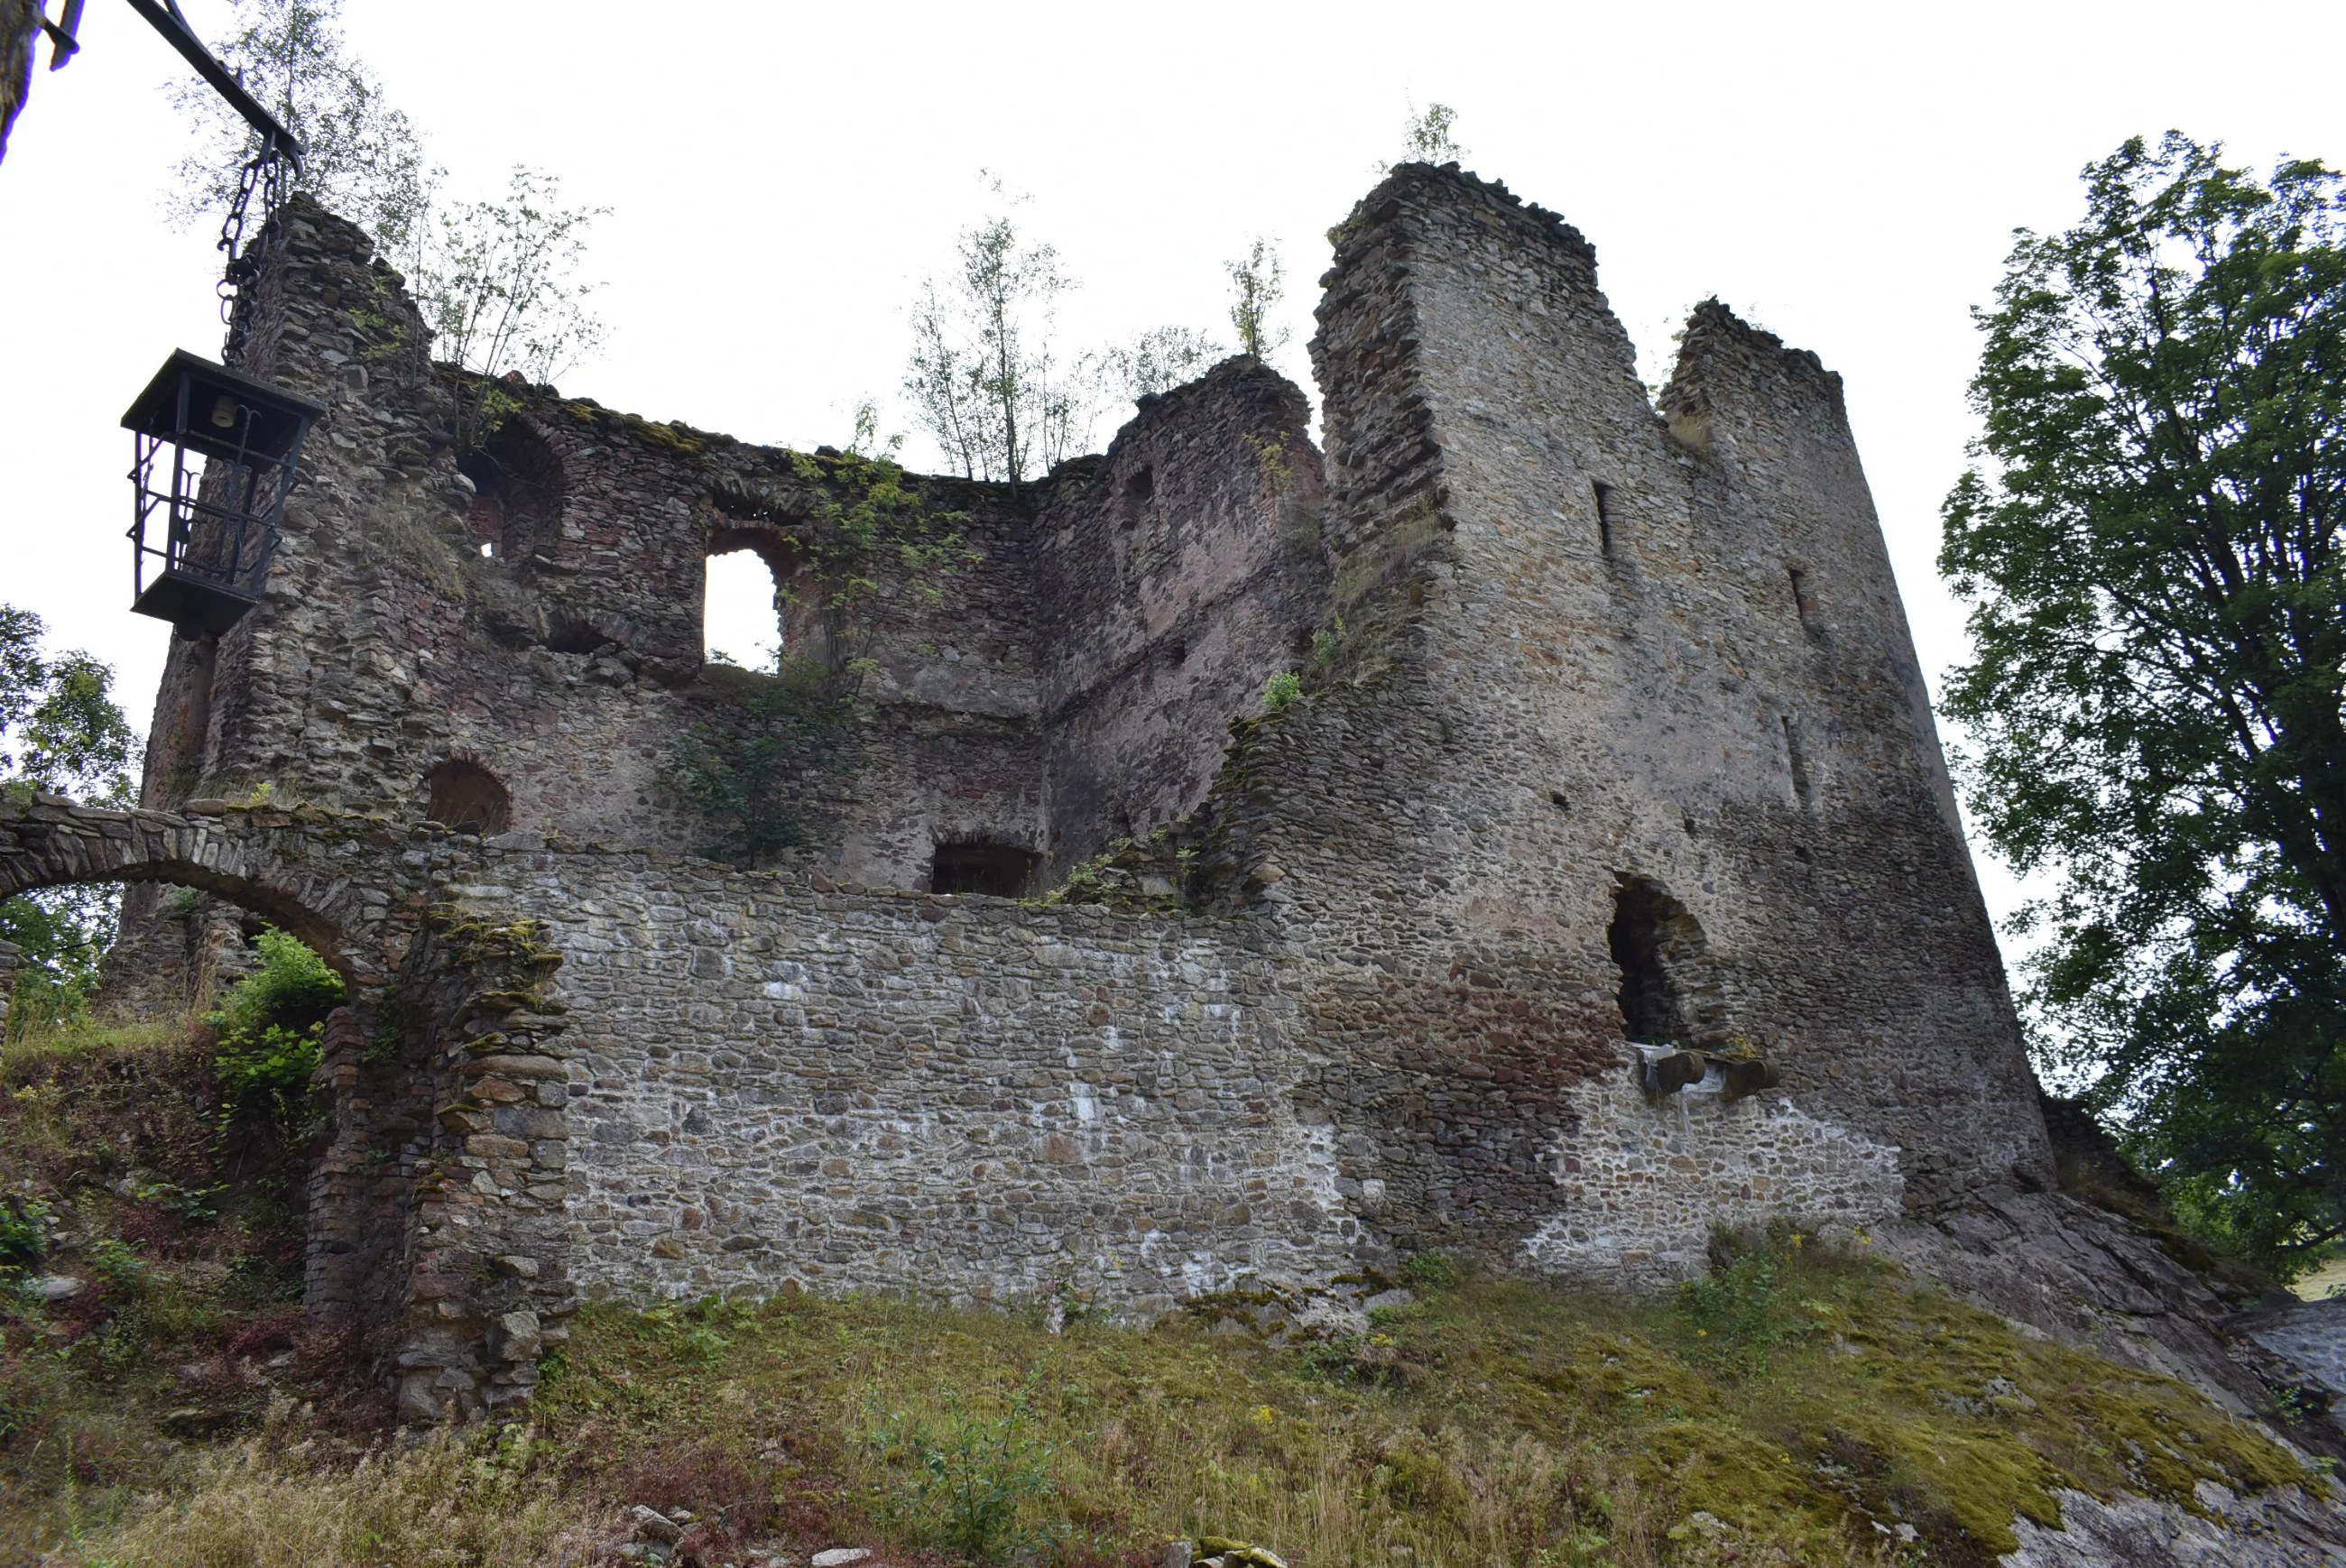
(1653, 940)
(998, 869)
(467, 796)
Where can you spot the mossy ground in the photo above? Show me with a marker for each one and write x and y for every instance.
(1797, 1407)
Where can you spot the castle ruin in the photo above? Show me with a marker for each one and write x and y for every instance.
(1093, 971)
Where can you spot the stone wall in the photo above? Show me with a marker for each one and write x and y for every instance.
(774, 1080)
(1644, 1182)
(1611, 726)
(1588, 672)
(1180, 570)
(533, 604)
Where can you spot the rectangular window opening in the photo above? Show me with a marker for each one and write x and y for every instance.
(1604, 517)
(999, 870)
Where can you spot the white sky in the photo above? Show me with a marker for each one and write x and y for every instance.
(783, 176)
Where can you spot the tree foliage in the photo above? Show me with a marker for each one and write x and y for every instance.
(2151, 553)
(985, 378)
(498, 285)
(364, 158)
(1158, 361)
(1431, 137)
(271, 1025)
(498, 280)
(1257, 283)
(62, 733)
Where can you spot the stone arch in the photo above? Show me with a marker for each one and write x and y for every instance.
(518, 488)
(296, 874)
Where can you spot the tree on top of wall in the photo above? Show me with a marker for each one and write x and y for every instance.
(1156, 362)
(985, 378)
(499, 286)
(364, 158)
(2152, 553)
(497, 280)
(1431, 137)
(1257, 283)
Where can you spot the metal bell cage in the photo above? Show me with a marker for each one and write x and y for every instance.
(202, 535)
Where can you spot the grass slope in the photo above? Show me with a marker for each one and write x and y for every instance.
(1796, 1406)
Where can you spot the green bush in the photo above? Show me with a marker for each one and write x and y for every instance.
(1750, 1305)
(1280, 691)
(273, 1027)
(968, 1484)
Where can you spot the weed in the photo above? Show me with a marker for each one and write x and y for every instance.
(1740, 1312)
(967, 1484)
(1431, 1269)
(1280, 691)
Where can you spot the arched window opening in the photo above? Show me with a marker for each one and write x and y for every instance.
(741, 611)
(467, 796)
(1657, 946)
(1002, 871)
(516, 492)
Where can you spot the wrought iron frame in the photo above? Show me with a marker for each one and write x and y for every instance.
(218, 529)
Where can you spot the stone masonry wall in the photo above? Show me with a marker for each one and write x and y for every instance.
(1577, 664)
(776, 1081)
(1642, 1183)
(1565, 657)
(1181, 569)
(567, 661)
(20, 25)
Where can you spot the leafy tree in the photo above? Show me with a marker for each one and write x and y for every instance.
(983, 376)
(497, 283)
(497, 280)
(363, 159)
(1430, 138)
(1157, 361)
(2151, 552)
(61, 732)
(1257, 283)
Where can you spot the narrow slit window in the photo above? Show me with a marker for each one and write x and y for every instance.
(1604, 517)
(1804, 603)
(1800, 762)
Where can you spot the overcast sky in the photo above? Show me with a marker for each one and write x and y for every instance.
(782, 177)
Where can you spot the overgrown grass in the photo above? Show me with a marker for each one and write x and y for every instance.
(1793, 1409)
(1795, 1406)
(176, 1242)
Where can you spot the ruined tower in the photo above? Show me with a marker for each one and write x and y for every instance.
(1095, 969)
